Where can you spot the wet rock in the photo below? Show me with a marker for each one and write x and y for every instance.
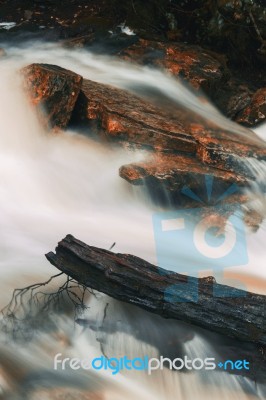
(120, 116)
(190, 63)
(54, 91)
(234, 28)
(167, 178)
(232, 91)
(233, 97)
(238, 102)
(175, 170)
(255, 111)
(228, 150)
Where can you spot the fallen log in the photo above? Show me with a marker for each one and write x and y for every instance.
(234, 313)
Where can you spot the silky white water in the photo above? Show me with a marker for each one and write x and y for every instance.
(51, 185)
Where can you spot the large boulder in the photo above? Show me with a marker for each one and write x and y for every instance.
(123, 117)
(54, 91)
(120, 116)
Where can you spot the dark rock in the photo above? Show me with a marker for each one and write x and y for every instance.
(234, 28)
(233, 97)
(54, 90)
(238, 102)
(191, 63)
(104, 42)
(207, 71)
(255, 111)
(243, 23)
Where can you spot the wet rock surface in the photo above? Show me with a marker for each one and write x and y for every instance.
(227, 150)
(219, 47)
(190, 63)
(237, 97)
(120, 116)
(167, 177)
(54, 91)
(183, 147)
(233, 97)
(255, 111)
(235, 28)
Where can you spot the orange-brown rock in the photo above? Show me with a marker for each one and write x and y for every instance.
(228, 150)
(255, 112)
(191, 63)
(54, 91)
(121, 116)
(166, 177)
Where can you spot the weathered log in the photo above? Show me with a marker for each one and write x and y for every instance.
(234, 313)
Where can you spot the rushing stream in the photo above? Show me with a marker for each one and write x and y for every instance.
(51, 185)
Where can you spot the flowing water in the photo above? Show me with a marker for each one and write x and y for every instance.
(51, 185)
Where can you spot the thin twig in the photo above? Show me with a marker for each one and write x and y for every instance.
(256, 27)
(18, 317)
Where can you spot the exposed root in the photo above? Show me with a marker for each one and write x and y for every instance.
(31, 307)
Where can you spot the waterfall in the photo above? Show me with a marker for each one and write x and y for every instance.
(51, 185)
